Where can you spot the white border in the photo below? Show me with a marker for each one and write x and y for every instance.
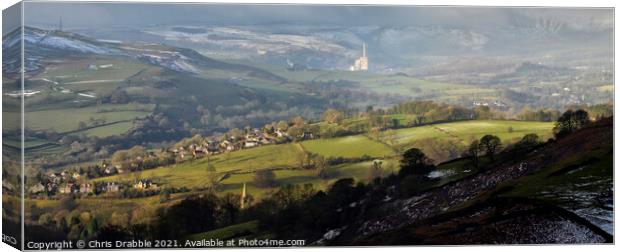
(532, 3)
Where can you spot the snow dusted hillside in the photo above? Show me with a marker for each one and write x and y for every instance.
(261, 43)
(35, 38)
(44, 45)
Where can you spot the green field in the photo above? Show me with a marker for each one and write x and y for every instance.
(77, 70)
(380, 83)
(347, 147)
(115, 129)
(405, 85)
(403, 120)
(66, 120)
(29, 142)
(68, 91)
(237, 168)
(194, 173)
(466, 131)
(284, 158)
(78, 81)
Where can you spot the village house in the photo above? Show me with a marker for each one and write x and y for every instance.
(145, 184)
(199, 151)
(250, 143)
(37, 188)
(112, 187)
(64, 175)
(66, 189)
(307, 135)
(86, 188)
(7, 186)
(265, 141)
(228, 145)
(52, 187)
(500, 104)
(181, 152)
(109, 169)
(213, 146)
(119, 168)
(281, 133)
(55, 178)
(479, 103)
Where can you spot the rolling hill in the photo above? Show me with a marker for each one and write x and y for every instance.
(238, 167)
(499, 204)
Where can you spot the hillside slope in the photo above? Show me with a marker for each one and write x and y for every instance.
(473, 211)
(40, 46)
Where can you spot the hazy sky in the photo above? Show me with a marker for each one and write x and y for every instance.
(85, 15)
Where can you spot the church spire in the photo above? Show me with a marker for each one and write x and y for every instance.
(243, 196)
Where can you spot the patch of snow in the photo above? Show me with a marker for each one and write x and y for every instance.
(441, 173)
(177, 63)
(110, 41)
(87, 95)
(330, 235)
(46, 39)
(92, 81)
(26, 93)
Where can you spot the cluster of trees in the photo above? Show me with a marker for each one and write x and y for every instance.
(197, 214)
(69, 220)
(292, 211)
(372, 121)
(340, 94)
(302, 212)
(429, 111)
(194, 214)
(543, 115)
(596, 111)
(130, 192)
(137, 159)
(571, 121)
(489, 146)
(265, 178)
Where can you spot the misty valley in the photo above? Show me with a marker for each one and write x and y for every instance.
(399, 132)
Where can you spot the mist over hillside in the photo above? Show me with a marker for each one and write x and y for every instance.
(390, 47)
(398, 37)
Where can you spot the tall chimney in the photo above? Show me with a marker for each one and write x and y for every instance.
(364, 50)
